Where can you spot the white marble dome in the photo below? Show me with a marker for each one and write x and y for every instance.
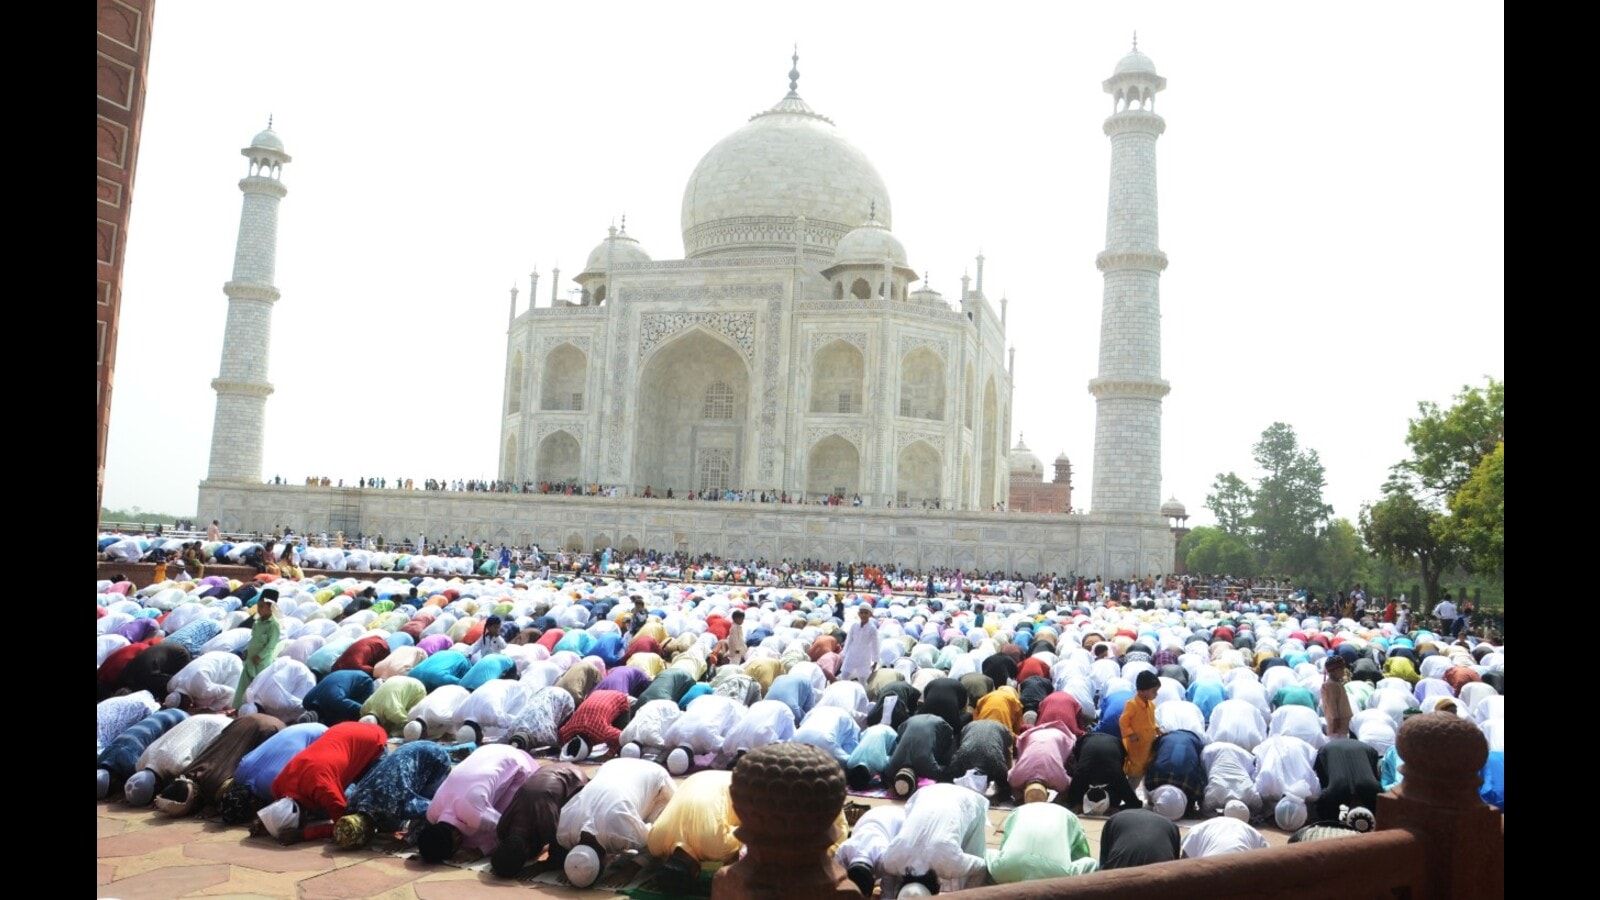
(1024, 464)
(1135, 63)
(627, 250)
(267, 140)
(1172, 509)
(789, 161)
(869, 245)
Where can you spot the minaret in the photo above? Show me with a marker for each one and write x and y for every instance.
(1128, 389)
(241, 385)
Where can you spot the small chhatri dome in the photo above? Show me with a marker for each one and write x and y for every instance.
(1172, 509)
(1024, 464)
(1062, 458)
(267, 140)
(869, 244)
(1135, 63)
(618, 248)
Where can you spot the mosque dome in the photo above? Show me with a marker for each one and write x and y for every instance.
(619, 247)
(1024, 464)
(1172, 509)
(869, 244)
(1135, 63)
(267, 140)
(1061, 458)
(789, 161)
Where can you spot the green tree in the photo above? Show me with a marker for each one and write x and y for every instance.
(1448, 444)
(1230, 501)
(1341, 556)
(1212, 550)
(1478, 514)
(1288, 512)
(1403, 530)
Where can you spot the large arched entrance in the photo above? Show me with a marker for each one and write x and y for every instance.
(918, 475)
(559, 458)
(694, 406)
(833, 467)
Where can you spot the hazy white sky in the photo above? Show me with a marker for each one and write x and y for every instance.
(1331, 190)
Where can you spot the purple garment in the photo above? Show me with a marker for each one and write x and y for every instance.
(628, 680)
(1426, 687)
(139, 630)
(433, 643)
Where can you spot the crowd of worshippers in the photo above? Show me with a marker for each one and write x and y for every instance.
(467, 718)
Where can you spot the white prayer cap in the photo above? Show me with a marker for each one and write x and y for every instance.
(413, 730)
(365, 720)
(174, 700)
(250, 709)
(277, 816)
(1096, 802)
(1169, 801)
(582, 866)
(1290, 813)
(1235, 809)
(915, 889)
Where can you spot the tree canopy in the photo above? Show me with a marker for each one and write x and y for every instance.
(1444, 506)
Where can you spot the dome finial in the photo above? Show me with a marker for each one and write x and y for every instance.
(1136, 41)
(269, 121)
(872, 212)
(624, 223)
(794, 72)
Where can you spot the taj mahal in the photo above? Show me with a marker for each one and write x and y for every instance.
(793, 349)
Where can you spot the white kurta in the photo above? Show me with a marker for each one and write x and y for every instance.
(280, 687)
(1214, 837)
(651, 722)
(209, 679)
(871, 836)
(943, 833)
(765, 722)
(860, 652)
(703, 724)
(171, 753)
(617, 806)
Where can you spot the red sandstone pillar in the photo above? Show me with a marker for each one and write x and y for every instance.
(787, 797)
(1463, 837)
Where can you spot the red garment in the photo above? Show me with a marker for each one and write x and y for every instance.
(473, 633)
(825, 644)
(100, 612)
(593, 717)
(718, 625)
(1459, 677)
(316, 777)
(1222, 633)
(110, 671)
(642, 644)
(1061, 707)
(1030, 667)
(363, 654)
(416, 627)
(550, 638)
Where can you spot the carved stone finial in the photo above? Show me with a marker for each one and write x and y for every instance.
(794, 72)
(787, 797)
(1442, 755)
(1136, 42)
